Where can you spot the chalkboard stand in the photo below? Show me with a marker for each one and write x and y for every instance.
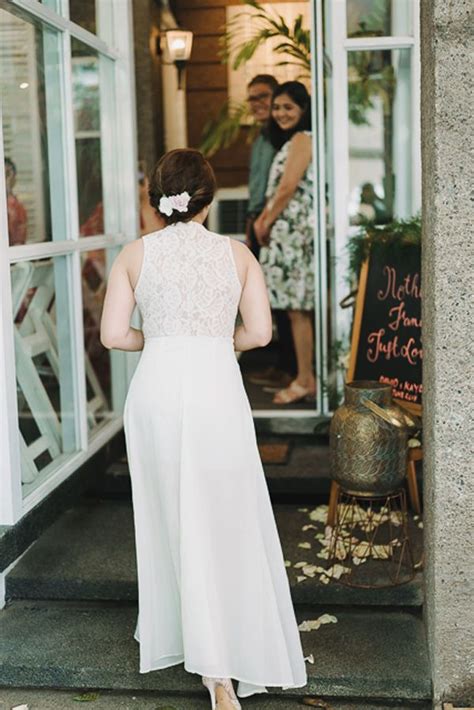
(358, 313)
(356, 329)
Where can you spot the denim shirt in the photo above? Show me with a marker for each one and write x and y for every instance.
(261, 159)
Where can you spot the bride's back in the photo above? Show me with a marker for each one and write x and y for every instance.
(188, 282)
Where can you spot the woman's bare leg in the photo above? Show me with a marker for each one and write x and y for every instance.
(302, 330)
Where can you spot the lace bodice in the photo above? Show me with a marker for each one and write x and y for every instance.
(188, 283)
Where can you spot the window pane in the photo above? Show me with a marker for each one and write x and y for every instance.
(377, 18)
(83, 13)
(87, 109)
(53, 4)
(32, 130)
(380, 151)
(98, 367)
(44, 365)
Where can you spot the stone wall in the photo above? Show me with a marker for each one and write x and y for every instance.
(447, 274)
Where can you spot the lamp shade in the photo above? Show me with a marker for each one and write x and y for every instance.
(179, 44)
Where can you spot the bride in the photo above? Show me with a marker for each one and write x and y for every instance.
(213, 592)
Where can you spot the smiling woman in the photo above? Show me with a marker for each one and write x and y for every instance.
(285, 230)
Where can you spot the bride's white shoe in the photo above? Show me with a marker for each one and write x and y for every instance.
(212, 683)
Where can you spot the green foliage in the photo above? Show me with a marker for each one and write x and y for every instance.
(365, 79)
(296, 42)
(337, 365)
(224, 129)
(375, 22)
(388, 238)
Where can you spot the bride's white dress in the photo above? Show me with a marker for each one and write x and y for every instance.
(212, 583)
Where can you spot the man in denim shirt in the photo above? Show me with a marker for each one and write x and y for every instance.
(259, 97)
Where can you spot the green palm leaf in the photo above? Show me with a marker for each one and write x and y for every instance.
(294, 48)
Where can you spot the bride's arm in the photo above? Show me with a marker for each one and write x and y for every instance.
(119, 303)
(254, 307)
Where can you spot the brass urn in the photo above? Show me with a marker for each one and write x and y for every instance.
(369, 440)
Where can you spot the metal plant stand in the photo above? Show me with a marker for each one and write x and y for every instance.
(370, 538)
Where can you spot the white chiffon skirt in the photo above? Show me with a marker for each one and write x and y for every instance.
(213, 591)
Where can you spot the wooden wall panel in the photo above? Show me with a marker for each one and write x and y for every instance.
(203, 77)
(231, 164)
(201, 106)
(206, 83)
(205, 49)
(202, 22)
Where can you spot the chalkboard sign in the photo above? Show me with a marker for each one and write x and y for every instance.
(386, 336)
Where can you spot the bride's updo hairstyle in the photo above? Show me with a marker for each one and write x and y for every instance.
(183, 170)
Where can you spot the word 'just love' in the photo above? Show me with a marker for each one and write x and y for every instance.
(397, 346)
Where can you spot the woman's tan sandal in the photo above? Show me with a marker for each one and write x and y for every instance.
(294, 393)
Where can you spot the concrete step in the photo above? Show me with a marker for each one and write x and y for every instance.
(305, 473)
(89, 554)
(48, 699)
(305, 476)
(370, 655)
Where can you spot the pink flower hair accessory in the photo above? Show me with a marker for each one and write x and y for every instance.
(168, 203)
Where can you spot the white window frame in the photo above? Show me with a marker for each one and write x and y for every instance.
(337, 166)
(117, 111)
(331, 163)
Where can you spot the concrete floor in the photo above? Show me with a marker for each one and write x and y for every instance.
(112, 700)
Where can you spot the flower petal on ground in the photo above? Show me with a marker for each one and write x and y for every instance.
(313, 624)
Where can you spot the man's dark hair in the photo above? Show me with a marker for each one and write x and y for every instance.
(299, 94)
(267, 79)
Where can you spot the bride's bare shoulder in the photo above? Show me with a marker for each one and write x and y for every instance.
(243, 258)
(132, 251)
(240, 249)
(131, 257)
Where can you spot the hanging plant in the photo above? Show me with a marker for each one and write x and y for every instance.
(389, 238)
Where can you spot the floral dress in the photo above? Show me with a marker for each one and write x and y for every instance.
(288, 260)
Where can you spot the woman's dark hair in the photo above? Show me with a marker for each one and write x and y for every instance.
(299, 94)
(182, 170)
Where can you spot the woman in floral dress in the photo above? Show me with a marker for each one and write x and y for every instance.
(285, 230)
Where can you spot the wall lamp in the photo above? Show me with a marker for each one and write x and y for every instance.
(176, 45)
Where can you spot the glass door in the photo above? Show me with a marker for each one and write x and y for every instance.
(372, 134)
(291, 260)
(363, 77)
